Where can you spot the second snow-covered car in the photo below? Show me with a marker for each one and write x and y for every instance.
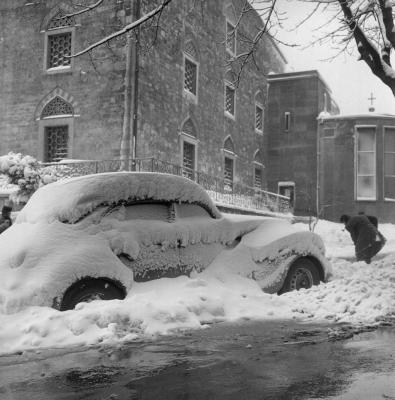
(91, 237)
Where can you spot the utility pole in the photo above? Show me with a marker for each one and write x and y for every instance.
(129, 128)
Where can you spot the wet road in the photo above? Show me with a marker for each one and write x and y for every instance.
(250, 360)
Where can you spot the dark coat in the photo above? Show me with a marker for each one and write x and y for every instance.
(5, 222)
(367, 239)
(373, 220)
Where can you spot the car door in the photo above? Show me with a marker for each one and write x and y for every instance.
(201, 240)
(150, 226)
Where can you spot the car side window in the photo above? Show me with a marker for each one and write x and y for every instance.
(149, 211)
(187, 210)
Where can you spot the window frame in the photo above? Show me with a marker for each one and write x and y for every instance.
(233, 88)
(356, 164)
(288, 184)
(232, 51)
(385, 128)
(184, 137)
(190, 94)
(287, 121)
(257, 165)
(53, 32)
(51, 122)
(259, 105)
(231, 156)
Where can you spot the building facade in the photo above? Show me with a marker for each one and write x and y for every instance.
(328, 163)
(190, 111)
(357, 166)
(294, 102)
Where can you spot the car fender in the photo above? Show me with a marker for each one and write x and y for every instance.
(271, 274)
(35, 276)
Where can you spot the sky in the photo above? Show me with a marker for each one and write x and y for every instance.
(350, 80)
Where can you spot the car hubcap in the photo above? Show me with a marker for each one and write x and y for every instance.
(91, 297)
(301, 279)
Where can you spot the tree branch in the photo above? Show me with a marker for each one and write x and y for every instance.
(126, 29)
(86, 9)
(366, 49)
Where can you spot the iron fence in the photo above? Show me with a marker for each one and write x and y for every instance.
(221, 192)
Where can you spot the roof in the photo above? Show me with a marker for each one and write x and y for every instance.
(368, 115)
(70, 199)
(298, 75)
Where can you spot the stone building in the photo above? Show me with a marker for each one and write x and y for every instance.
(328, 163)
(190, 113)
(294, 102)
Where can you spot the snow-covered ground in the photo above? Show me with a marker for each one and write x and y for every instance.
(357, 293)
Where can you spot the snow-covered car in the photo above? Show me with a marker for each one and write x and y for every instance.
(91, 237)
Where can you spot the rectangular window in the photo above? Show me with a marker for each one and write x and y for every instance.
(287, 121)
(230, 38)
(190, 77)
(258, 118)
(329, 132)
(366, 163)
(188, 160)
(258, 178)
(228, 173)
(58, 47)
(230, 99)
(389, 163)
(56, 143)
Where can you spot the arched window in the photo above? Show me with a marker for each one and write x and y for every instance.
(191, 69)
(188, 142)
(228, 145)
(59, 43)
(258, 157)
(56, 128)
(57, 106)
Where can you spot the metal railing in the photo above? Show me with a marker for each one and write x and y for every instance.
(222, 192)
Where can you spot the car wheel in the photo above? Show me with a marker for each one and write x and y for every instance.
(89, 289)
(302, 274)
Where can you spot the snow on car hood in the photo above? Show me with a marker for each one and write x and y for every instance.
(266, 252)
(70, 199)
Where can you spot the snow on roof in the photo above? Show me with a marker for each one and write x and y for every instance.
(70, 199)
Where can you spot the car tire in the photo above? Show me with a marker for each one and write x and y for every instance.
(302, 274)
(89, 289)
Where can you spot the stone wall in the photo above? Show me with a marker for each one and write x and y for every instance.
(95, 84)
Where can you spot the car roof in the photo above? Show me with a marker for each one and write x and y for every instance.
(70, 199)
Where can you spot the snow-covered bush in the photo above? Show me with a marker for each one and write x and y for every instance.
(21, 170)
(29, 174)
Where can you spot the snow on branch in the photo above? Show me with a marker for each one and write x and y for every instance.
(125, 29)
(86, 9)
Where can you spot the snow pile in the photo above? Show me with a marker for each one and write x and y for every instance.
(357, 293)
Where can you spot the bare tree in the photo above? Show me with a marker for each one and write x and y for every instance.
(362, 26)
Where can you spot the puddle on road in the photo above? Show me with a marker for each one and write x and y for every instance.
(369, 386)
(270, 361)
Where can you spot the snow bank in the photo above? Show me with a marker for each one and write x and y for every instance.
(358, 293)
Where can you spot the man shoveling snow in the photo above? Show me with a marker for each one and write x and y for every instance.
(367, 239)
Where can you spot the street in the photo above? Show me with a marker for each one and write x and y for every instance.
(246, 360)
